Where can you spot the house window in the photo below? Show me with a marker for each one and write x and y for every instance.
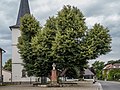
(23, 73)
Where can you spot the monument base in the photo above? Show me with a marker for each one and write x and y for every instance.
(53, 84)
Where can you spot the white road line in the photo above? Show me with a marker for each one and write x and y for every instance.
(100, 86)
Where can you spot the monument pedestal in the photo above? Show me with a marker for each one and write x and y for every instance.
(54, 77)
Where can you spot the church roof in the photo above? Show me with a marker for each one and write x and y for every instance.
(23, 9)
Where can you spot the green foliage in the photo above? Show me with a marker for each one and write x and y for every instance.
(97, 42)
(114, 74)
(64, 40)
(72, 73)
(105, 74)
(41, 46)
(59, 40)
(29, 28)
(98, 66)
(8, 65)
(113, 61)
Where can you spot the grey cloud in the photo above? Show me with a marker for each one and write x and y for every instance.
(42, 9)
(7, 47)
(103, 7)
(5, 36)
(115, 32)
(44, 16)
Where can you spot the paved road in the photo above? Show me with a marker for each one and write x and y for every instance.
(110, 85)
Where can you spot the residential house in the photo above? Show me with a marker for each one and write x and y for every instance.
(88, 74)
(109, 67)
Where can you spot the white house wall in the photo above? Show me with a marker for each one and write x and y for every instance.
(6, 76)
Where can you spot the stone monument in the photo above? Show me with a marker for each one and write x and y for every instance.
(54, 75)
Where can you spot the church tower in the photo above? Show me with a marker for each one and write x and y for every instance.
(17, 68)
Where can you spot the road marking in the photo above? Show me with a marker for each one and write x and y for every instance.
(100, 86)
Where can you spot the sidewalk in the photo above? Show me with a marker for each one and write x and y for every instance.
(83, 85)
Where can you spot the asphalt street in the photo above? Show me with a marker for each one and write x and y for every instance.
(110, 85)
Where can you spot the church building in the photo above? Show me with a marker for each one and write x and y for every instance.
(18, 73)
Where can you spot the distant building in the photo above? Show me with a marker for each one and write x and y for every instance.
(109, 67)
(112, 66)
(88, 75)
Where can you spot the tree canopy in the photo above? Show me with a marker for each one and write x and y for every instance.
(113, 61)
(98, 67)
(8, 65)
(65, 40)
(114, 74)
(29, 28)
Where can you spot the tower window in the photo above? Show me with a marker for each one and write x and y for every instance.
(23, 73)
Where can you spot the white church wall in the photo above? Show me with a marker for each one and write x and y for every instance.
(17, 61)
(16, 72)
(15, 35)
(15, 55)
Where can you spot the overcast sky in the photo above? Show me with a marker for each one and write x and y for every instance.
(106, 12)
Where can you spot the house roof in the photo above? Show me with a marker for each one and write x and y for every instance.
(23, 9)
(108, 66)
(112, 66)
(88, 72)
(2, 49)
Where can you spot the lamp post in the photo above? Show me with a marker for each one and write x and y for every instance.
(1, 76)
